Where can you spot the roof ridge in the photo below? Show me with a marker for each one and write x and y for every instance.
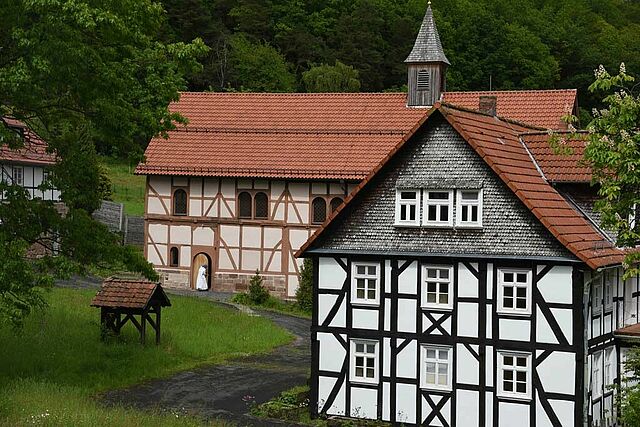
(512, 91)
(294, 131)
(296, 94)
(480, 113)
(562, 132)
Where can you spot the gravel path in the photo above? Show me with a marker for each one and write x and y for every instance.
(223, 391)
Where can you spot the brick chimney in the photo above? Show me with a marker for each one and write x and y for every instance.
(488, 104)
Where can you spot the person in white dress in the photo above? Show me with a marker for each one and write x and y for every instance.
(201, 283)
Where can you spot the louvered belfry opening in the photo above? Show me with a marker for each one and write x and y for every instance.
(423, 80)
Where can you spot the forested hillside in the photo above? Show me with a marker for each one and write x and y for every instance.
(267, 45)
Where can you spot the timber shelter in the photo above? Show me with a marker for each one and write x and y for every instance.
(120, 300)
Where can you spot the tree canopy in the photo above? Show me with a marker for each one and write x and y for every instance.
(522, 44)
(84, 75)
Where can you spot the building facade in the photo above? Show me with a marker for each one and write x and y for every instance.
(28, 166)
(247, 181)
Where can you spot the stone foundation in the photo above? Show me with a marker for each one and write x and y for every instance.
(174, 278)
(237, 282)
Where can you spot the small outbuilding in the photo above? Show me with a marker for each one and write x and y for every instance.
(121, 300)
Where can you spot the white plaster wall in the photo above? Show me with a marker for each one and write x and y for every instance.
(157, 254)
(251, 260)
(318, 188)
(330, 274)
(513, 414)
(489, 324)
(386, 354)
(467, 282)
(273, 263)
(488, 408)
(408, 280)
(518, 330)
(180, 181)
(251, 237)
(230, 234)
(159, 233)
(211, 187)
(195, 207)
(325, 304)
(387, 314)
(292, 285)
(325, 385)
(155, 206)
(364, 403)
(365, 319)
(467, 319)
(387, 276)
(297, 238)
(489, 366)
(332, 353)
(336, 189)
(407, 311)
(203, 236)
(261, 184)
(406, 361)
(225, 262)
(468, 403)
(180, 234)
(564, 411)
(467, 366)
(445, 411)
(557, 373)
(185, 256)
(556, 285)
(406, 403)
(161, 184)
(565, 320)
(245, 184)
(386, 393)
(272, 236)
(490, 280)
(195, 189)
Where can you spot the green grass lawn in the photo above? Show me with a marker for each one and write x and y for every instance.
(50, 371)
(127, 188)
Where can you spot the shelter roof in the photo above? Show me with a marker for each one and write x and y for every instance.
(34, 150)
(128, 293)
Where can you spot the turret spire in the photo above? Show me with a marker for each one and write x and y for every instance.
(427, 65)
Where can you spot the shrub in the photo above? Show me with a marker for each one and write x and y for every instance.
(304, 294)
(258, 294)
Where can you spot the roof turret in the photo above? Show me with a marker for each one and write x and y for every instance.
(427, 47)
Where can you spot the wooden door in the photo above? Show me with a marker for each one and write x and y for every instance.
(200, 260)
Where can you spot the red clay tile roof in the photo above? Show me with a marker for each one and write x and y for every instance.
(310, 136)
(34, 151)
(629, 331)
(323, 136)
(541, 108)
(566, 166)
(498, 142)
(124, 293)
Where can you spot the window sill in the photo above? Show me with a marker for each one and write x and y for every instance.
(359, 303)
(434, 388)
(436, 308)
(436, 225)
(518, 397)
(400, 225)
(470, 226)
(363, 381)
(514, 313)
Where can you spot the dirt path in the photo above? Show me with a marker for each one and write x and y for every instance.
(227, 391)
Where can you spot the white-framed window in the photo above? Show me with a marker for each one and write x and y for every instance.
(365, 283)
(436, 367)
(364, 361)
(408, 207)
(438, 208)
(596, 298)
(514, 291)
(437, 285)
(469, 208)
(18, 175)
(514, 375)
(609, 363)
(596, 374)
(610, 278)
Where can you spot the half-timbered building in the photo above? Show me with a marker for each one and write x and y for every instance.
(29, 165)
(467, 280)
(251, 176)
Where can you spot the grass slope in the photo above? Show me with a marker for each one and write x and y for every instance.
(50, 371)
(127, 188)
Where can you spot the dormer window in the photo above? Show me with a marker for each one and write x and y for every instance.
(423, 80)
(438, 208)
(469, 208)
(408, 207)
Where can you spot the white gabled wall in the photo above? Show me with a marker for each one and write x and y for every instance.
(469, 329)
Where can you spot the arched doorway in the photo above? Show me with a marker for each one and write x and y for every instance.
(199, 260)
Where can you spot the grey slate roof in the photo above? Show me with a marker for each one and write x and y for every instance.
(428, 47)
(438, 152)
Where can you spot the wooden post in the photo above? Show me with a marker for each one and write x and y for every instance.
(143, 326)
(158, 308)
(103, 323)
